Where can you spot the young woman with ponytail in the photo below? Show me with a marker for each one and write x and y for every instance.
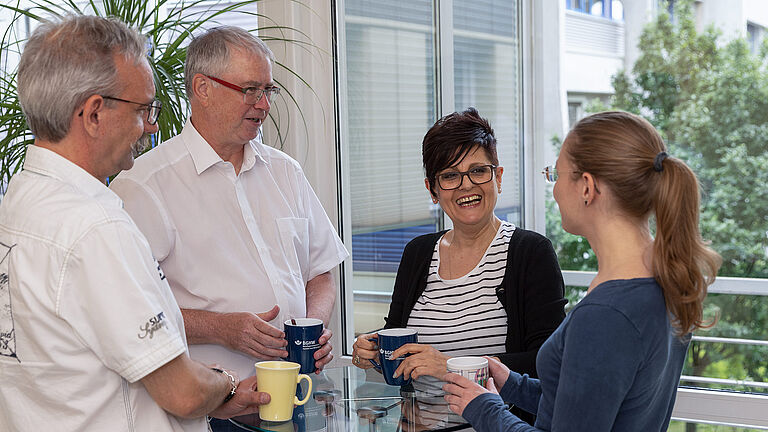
(615, 361)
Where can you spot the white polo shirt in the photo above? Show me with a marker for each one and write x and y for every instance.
(84, 310)
(226, 242)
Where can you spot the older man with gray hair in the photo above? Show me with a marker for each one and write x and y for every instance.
(92, 338)
(235, 225)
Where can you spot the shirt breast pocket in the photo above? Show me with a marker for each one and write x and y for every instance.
(294, 239)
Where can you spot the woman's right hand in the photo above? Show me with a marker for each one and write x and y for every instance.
(364, 349)
(498, 371)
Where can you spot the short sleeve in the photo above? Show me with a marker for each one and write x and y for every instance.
(147, 213)
(117, 301)
(326, 250)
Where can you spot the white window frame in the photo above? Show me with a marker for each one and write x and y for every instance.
(445, 103)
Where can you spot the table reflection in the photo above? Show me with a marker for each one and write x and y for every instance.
(350, 399)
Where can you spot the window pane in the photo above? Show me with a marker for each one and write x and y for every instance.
(391, 104)
(486, 73)
(596, 8)
(392, 100)
(617, 10)
(577, 5)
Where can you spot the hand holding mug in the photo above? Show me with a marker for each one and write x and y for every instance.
(364, 349)
(460, 391)
(389, 340)
(421, 360)
(324, 355)
(473, 368)
(247, 400)
(305, 338)
(498, 371)
(279, 379)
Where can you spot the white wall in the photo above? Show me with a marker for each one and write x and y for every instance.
(756, 11)
(585, 73)
(727, 16)
(637, 14)
(731, 16)
(312, 141)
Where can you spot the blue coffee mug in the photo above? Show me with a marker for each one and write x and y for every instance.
(303, 340)
(389, 340)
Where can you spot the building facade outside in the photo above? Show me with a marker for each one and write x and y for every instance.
(598, 42)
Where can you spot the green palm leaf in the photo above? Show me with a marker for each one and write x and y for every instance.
(168, 32)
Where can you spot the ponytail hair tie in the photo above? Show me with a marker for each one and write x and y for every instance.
(657, 161)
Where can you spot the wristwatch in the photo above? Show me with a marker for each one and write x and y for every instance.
(231, 379)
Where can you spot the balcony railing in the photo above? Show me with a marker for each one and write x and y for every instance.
(588, 34)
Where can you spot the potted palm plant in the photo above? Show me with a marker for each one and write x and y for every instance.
(169, 26)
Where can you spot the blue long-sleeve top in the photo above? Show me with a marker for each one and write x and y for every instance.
(612, 365)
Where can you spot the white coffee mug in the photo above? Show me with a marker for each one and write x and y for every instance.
(473, 368)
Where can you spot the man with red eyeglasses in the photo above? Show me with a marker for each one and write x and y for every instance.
(237, 229)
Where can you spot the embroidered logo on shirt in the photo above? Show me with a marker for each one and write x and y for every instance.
(160, 271)
(7, 333)
(154, 324)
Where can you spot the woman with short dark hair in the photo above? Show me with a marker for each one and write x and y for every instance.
(484, 287)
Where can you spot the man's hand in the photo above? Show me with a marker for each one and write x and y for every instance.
(252, 334)
(245, 401)
(323, 355)
(423, 360)
(459, 391)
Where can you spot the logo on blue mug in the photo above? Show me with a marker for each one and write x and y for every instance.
(303, 335)
(390, 340)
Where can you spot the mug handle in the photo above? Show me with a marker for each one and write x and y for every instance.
(296, 400)
(375, 364)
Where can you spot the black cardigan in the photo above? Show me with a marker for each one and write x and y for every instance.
(531, 292)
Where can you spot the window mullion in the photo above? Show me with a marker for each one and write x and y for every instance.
(445, 100)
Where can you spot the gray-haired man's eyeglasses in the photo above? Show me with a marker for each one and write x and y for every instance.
(251, 95)
(153, 108)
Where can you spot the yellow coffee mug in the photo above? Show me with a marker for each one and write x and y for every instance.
(279, 379)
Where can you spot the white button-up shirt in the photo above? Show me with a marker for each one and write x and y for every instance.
(85, 312)
(227, 242)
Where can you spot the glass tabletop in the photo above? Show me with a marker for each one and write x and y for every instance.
(351, 399)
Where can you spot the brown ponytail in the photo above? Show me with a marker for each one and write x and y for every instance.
(682, 262)
(625, 152)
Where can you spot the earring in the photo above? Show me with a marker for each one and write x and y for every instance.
(585, 203)
(434, 200)
(499, 190)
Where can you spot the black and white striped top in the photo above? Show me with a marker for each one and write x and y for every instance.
(464, 316)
